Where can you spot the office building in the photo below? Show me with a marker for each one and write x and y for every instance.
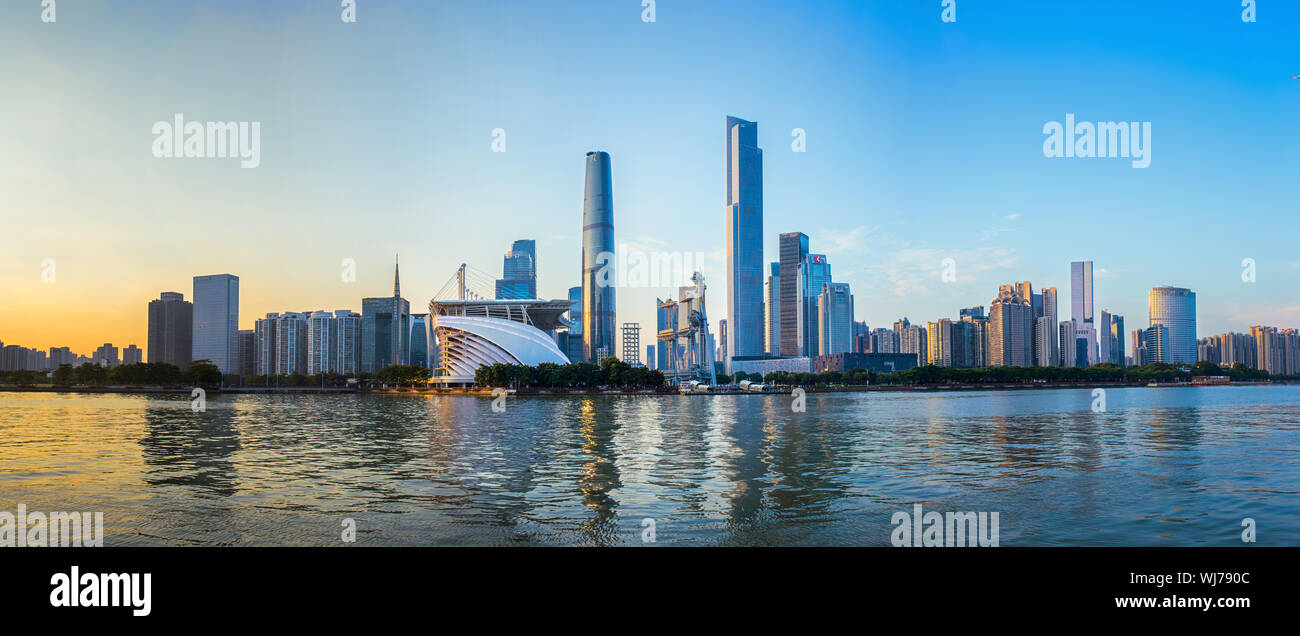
(247, 339)
(421, 347)
(1047, 337)
(1069, 347)
(650, 361)
(793, 252)
(1112, 338)
(215, 332)
(385, 329)
(171, 327)
(835, 317)
(598, 277)
(773, 345)
(1081, 307)
(1175, 309)
(744, 240)
(878, 362)
(518, 272)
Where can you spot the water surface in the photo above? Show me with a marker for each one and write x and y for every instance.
(1167, 466)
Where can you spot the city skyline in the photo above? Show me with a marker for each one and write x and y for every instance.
(886, 200)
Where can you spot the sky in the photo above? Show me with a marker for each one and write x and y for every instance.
(924, 141)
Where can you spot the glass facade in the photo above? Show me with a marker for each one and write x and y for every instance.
(215, 333)
(598, 267)
(744, 246)
(1175, 309)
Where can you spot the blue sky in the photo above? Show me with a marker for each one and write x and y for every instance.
(924, 142)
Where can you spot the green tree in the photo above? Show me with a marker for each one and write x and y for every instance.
(202, 373)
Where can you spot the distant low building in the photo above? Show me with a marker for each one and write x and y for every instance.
(879, 362)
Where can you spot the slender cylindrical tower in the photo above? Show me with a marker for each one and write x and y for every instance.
(598, 260)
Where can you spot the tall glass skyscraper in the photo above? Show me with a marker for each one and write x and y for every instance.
(744, 246)
(385, 329)
(519, 272)
(1174, 308)
(1081, 307)
(793, 252)
(598, 260)
(215, 333)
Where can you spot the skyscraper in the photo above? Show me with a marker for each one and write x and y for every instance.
(835, 315)
(938, 341)
(598, 275)
(1009, 315)
(1175, 309)
(419, 353)
(813, 275)
(1069, 348)
(744, 243)
(519, 272)
(385, 329)
(171, 326)
(1111, 345)
(215, 332)
(774, 310)
(976, 336)
(1081, 307)
(1049, 351)
(793, 251)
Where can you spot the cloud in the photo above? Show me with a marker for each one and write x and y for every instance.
(900, 268)
(1011, 217)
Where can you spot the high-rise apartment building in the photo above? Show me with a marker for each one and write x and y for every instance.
(915, 340)
(744, 240)
(598, 314)
(939, 342)
(171, 327)
(132, 355)
(105, 356)
(632, 343)
(215, 331)
(1009, 316)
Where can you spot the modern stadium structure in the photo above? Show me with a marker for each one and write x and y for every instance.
(472, 332)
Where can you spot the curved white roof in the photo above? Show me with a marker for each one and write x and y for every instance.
(466, 343)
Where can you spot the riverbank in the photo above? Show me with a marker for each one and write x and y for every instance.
(561, 391)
